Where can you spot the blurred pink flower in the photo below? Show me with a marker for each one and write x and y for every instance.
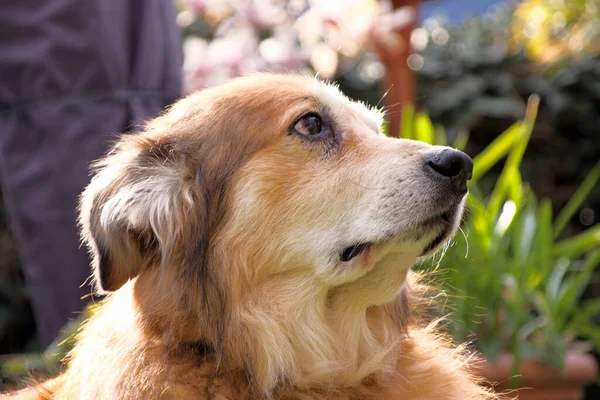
(277, 35)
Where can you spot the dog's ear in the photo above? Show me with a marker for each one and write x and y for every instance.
(161, 194)
(129, 209)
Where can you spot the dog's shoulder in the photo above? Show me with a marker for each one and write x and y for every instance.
(116, 357)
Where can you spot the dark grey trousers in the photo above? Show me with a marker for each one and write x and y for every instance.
(73, 74)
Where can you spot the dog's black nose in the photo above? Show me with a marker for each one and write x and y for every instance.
(450, 164)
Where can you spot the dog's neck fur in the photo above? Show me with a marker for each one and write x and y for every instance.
(349, 339)
(321, 337)
(121, 352)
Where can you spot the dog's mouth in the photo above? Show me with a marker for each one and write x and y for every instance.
(445, 220)
(439, 239)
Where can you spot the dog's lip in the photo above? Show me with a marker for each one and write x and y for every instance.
(436, 241)
(445, 219)
(351, 252)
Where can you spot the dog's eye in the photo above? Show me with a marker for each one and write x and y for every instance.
(309, 125)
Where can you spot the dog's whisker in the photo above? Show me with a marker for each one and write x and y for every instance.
(466, 241)
(384, 95)
(365, 187)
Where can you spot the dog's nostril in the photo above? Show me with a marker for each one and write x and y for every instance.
(450, 169)
(452, 164)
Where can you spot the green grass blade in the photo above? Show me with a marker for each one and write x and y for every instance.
(554, 282)
(511, 168)
(441, 138)
(407, 122)
(515, 189)
(577, 245)
(545, 238)
(572, 289)
(501, 191)
(575, 202)
(461, 141)
(582, 323)
(495, 151)
(523, 248)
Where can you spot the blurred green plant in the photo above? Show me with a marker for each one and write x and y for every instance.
(477, 76)
(512, 284)
(15, 368)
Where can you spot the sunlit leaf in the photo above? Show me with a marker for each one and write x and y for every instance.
(460, 143)
(441, 139)
(407, 122)
(495, 151)
(576, 245)
(424, 129)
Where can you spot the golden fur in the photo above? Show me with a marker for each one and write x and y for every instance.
(216, 233)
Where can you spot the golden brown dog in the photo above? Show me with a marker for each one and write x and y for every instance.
(255, 242)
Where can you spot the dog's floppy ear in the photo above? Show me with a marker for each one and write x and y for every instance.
(161, 194)
(128, 209)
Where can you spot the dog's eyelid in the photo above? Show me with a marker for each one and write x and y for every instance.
(305, 114)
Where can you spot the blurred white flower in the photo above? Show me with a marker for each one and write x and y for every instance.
(324, 60)
(440, 36)
(415, 62)
(419, 38)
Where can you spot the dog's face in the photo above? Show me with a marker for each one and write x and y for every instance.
(331, 195)
(275, 186)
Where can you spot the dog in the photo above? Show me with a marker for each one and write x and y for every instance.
(254, 242)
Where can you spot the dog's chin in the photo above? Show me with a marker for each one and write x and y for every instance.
(441, 228)
(436, 243)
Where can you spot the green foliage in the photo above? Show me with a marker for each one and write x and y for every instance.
(513, 286)
(578, 198)
(14, 368)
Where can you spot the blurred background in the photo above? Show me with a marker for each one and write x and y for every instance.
(454, 72)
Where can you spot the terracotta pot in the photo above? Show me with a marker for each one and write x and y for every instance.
(540, 382)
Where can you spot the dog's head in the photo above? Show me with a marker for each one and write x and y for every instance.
(269, 193)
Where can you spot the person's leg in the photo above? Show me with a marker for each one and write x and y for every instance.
(42, 175)
(74, 74)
